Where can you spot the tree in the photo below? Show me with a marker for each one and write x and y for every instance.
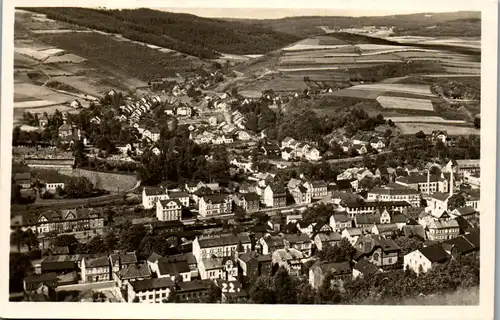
(80, 187)
(284, 287)
(131, 238)
(19, 267)
(65, 240)
(17, 238)
(434, 171)
(477, 123)
(409, 244)
(420, 135)
(214, 294)
(95, 245)
(30, 239)
(305, 293)
(262, 291)
(456, 201)
(367, 183)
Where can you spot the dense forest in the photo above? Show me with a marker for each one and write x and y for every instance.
(185, 33)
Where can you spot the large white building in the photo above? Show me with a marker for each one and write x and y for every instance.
(395, 192)
(155, 290)
(168, 210)
(424, 259)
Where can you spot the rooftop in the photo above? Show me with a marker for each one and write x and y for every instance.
(435, 253)
(150, 284)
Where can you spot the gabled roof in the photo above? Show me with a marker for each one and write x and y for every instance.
(367, 219)
(154, 257)
(365, 267)
(123, 258)
(435, 253)
(165, 203)
(39, 278)
(215, 198)
(97, 262)
(460, 243)
(151, 284)
(166, 266)
(342, 217)
(473, 238)
(195, 285)
(210, 264)
(464, 211)
(251, 196)
(134, 270)
(327, 237)
(154, 191)
(414, 230)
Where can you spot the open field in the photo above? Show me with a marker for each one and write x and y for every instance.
(405, 103)
(427, 128)
(108, 181)
(424, 120)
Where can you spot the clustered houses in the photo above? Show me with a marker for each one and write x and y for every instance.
(293, 149)
(61, 220)
(224, 133)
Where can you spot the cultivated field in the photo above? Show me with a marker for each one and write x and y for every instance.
(405, 103)
(427, 128)
(427, 119)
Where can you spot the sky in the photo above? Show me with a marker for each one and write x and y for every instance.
(270, 9)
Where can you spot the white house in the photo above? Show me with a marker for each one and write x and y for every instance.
(168, 210)
(151, 195)
(425, 258)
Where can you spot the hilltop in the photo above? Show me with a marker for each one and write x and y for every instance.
(306, 26)
(189, 34)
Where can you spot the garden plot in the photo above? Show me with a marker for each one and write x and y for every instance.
(457, 70)
(405, 103)
(355, 93)
(41, 93)
(427, 119)
(303, 47)
(428, 128)
(83, 84)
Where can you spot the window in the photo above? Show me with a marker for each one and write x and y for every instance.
(164, 294)
(150, 297)
(143, 297)
(157, 296)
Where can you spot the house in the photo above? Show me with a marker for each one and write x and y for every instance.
(366, 221)
(182, 196)
(352, 234)
(43, 122)
(468, 213)
(192, 290)
(382, 252)
(424, 183)
(438, 135)
(211, 205)
(155, 151)
(360, 149)
(319, 270)
(221, 246)
(250, 202)
(150, 196)
(424, 259)
(65, 130)
(154, 134)
(23, 180)
(52, 185)
(155, 290)
(275, 196)
(243, 135)
(340, 221)
(123, 147)
(253, 264)
(300, 194)
(386, 229)
(394, 192)
(313, 155)
(218, 268)
(165, 227)
(132, 272)
(54, 220)
(184, 111)
(168, 210)
(472, 179)
(242, 164)
(462, 166)
(317, 189)
(377, 143)
(167, 268)
(440, 230)
(271, 150)
(324, 239)
(118, 261)
(300, 242)
(95, 269)
(45, 284)
(287, 142)
(288, 154)
(364, 268)
(290, 259)
(269, 244)
(359, 206)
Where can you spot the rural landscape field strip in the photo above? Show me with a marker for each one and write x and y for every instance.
(405, 103)
(427, 119)
(428, 128)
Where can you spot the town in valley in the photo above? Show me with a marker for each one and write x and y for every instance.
(168, 158)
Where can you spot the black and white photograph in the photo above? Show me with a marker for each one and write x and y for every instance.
(249, 156)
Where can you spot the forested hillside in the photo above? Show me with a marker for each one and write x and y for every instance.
(189, 34)
(456, 28)
(307, 26)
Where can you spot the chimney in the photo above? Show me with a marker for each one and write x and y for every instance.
(428, 181)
